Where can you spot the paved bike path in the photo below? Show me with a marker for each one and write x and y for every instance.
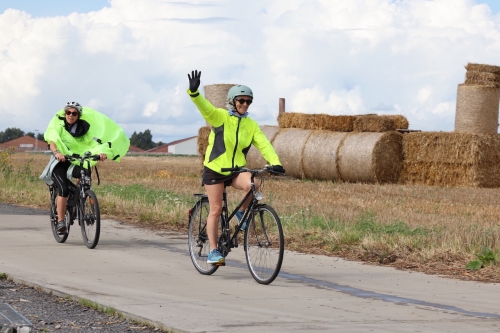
(151, 276)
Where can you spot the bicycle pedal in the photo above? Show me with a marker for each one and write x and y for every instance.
(220, 264)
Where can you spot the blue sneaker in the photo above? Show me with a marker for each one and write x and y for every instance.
(239, 215)
(214, 257)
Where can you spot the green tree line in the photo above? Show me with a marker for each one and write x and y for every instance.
(143, 140)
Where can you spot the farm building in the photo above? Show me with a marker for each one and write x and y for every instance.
(134, 149)
(25, 144)
(187, 146)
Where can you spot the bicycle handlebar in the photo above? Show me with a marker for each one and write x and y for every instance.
(267, 168)
(86, 156)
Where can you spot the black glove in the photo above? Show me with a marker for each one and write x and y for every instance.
(194, 81)
(277, 169)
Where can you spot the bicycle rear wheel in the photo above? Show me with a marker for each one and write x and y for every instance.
(90, 219)
(199, 245)
(264, 244)
(53, 217)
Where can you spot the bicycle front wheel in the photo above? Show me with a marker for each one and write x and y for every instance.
(90, 219)
(264, 244)
(60, 238)
(199, 245)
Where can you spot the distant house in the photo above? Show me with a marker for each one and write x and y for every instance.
(25, 144)
(134, 149)
(188, 146)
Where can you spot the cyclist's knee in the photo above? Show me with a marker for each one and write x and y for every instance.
(215, 210)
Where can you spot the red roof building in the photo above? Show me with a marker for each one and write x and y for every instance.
(24, 144)
(134, 149)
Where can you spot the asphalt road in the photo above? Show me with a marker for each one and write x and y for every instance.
(149, 275)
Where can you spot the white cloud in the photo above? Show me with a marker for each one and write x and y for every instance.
(131, 60)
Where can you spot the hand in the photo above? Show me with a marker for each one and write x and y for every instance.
(59, 157)
(194, 80)
(102, 157)
(277, 169)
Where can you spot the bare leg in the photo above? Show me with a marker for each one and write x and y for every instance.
(61, 207)
(214, 193)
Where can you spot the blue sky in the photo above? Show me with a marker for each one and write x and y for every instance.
(130, 59)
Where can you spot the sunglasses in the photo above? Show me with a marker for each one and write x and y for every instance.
(74, 113)
(242, 101)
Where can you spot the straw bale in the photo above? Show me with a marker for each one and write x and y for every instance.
(371, 157)
(373, 124)
(217, 94)
(400, 121)
(451, 159)
(482, 68)
(316, 121)
(482, 78)
(320, 155)
(289, 144)
(292, 120)
(254, 157)
(477, 109)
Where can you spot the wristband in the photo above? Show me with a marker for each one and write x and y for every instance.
(56, 152)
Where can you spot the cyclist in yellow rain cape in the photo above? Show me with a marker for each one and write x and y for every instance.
(76, 130)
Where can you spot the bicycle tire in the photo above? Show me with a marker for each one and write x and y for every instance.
(199, 246)
(264, 244)
(90, 219)
(54, 219)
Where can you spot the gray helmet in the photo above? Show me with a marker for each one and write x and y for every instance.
(239, 90)
(75, 105)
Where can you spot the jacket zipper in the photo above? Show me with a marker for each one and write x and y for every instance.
(236, 145)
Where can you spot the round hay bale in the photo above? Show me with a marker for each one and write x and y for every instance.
(217, 94)
(289, 144)
(319, 157)
(254, 157)
(371, 157)
(477, 109)
(203, 134)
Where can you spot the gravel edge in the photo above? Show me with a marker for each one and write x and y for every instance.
(152, 325)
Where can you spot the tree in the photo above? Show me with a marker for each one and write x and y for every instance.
(11, 134)
(40, 137)
(31, 134)
(143, 140)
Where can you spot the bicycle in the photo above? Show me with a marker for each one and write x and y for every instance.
(82, 205)
(263, 235)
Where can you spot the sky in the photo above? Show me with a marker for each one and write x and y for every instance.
(130, 59)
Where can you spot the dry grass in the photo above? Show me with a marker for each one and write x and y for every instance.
(436, 230)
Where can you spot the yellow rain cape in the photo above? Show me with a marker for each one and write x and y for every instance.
(104, 136)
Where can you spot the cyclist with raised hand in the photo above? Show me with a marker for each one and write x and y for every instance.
(76, 130)
(233, 132)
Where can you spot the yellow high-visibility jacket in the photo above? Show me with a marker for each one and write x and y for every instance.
(231, 137)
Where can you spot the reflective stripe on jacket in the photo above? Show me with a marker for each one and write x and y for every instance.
(231, 138)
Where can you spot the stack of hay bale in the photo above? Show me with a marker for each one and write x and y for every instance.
(451, 159)
(469, 156)
(361, 148)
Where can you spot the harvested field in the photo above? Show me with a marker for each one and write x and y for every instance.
(436, 230)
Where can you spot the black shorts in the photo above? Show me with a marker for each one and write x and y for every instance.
(211, 177)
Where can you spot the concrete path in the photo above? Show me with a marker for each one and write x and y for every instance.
(151, 276)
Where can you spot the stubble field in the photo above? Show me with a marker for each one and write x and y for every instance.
(435, 230)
